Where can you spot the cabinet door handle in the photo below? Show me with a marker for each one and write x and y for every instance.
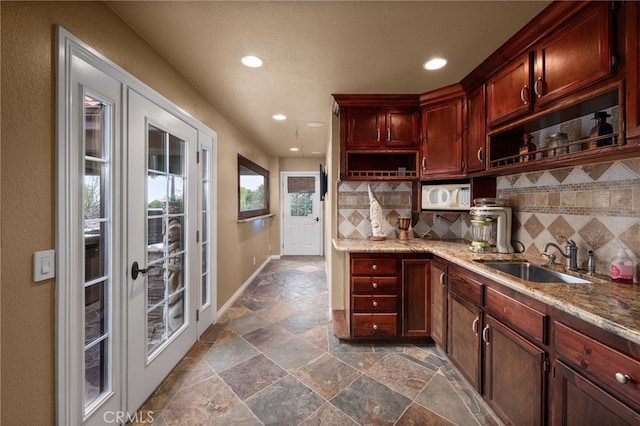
(378, 135)
(388, 134)
(375, 285)
(424, 162)
(535, 87)
(442, 279)
(623, 379)
(485, 334)
(525, 91)
(479, 154)
(474, 326)
(375, 303)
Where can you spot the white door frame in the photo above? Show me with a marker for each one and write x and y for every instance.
(69, 168)
(283, 194)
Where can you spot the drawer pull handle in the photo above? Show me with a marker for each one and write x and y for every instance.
(474, 326)
(375, 303)
(375, 285)
(535, 87)
(375, 326)
(442, 279)
(485, 337)
(525, 90)
(623, 378)
(374, 266)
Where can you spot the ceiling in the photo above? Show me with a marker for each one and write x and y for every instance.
(312, 49)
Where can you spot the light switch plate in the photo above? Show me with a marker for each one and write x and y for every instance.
(44, 265)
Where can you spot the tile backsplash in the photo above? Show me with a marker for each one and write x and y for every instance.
(597, 205)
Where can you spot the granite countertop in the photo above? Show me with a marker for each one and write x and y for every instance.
(612, 306)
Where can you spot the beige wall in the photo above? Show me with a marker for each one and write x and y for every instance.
(28, 183)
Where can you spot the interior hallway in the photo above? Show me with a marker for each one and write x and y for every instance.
(272, 359)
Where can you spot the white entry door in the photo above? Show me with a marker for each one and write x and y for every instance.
(301, 214)
(162, 223)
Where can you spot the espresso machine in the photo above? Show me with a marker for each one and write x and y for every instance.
(490, 226)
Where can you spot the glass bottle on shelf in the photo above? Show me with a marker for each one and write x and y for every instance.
(527, 148)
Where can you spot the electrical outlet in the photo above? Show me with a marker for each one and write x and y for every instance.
(254, 261)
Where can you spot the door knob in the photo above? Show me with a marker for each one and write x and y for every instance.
(135, 270)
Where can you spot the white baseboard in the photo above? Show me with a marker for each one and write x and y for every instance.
(242, 288)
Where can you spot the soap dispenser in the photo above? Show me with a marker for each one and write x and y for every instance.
(622, 267)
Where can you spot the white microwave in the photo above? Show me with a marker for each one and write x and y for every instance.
(446, 197)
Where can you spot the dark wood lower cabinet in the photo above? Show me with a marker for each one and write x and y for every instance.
(579, 402)
(415, 298)
(463, 344)
(439, 303)
(514, 382)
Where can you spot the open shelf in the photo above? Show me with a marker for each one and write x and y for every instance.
(387, 165)
(575, 120)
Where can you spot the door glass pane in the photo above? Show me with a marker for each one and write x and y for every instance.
(205, 225)
(96, 205)
(301, 204)
(166, 254)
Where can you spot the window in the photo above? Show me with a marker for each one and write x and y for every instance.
(253, 189)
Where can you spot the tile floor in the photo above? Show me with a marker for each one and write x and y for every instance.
(272, 359)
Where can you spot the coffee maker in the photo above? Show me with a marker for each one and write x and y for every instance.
(490, 226)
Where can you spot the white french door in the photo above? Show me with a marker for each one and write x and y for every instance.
(129, 191)
(162, 224)
(206, 236)
(301, 214)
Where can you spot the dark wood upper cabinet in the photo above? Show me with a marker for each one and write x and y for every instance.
(384, 128)
(632, 49)
(364, 128)
(572, 57)
(401, 128)
(441, 132)
(474, 138)
(576, 55)
(509, 91)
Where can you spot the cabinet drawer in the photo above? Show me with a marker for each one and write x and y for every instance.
(374, 267)
(374, 304)
(598, 362)
(466, 287)
(513, 313)
(374, 285)
(375, 325)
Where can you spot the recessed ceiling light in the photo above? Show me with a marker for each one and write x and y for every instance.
(294, 149)
(279, 117)
(315, 124)
(435, 64)
(252, 61)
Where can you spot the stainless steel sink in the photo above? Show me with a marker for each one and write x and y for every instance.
(538, 274)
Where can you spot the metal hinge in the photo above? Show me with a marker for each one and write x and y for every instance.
(198, 157)
(197, 236)
(197, 314)
(545, 366)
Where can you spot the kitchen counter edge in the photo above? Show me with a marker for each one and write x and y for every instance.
(611, 306)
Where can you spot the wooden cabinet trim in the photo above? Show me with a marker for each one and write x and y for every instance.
(597, 361)
(528, 321)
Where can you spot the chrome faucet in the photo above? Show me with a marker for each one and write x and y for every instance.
(570, 253)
